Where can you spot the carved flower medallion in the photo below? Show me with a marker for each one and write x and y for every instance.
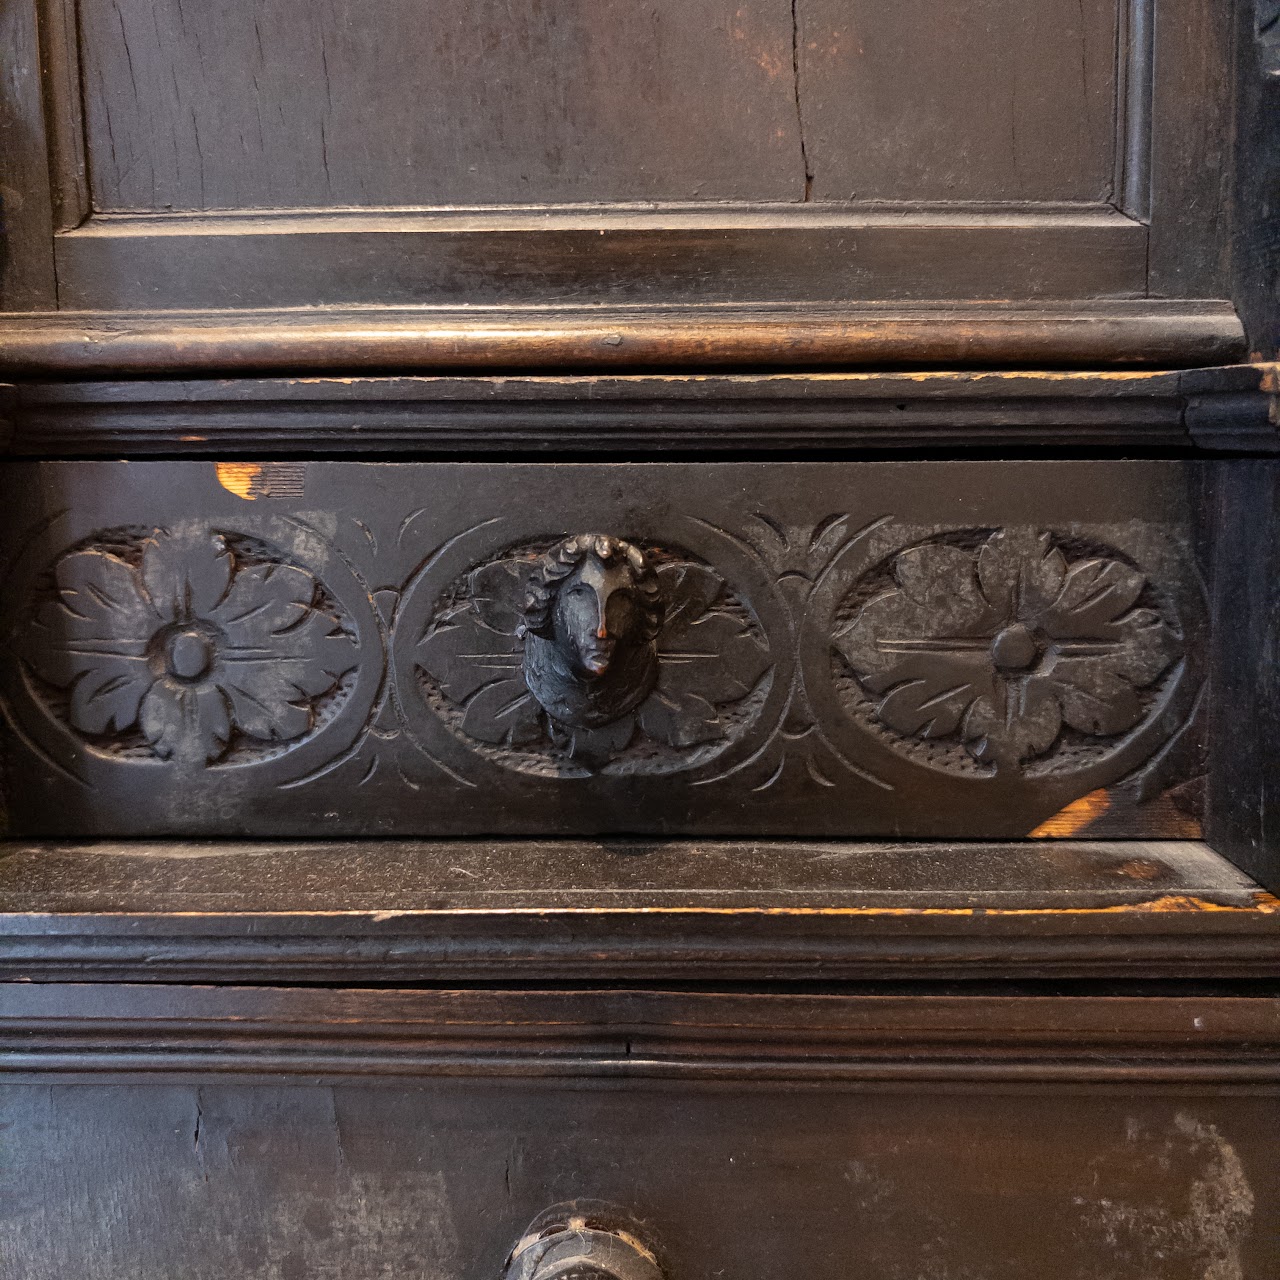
(595, 654)
(1009, 648)
(188, 642)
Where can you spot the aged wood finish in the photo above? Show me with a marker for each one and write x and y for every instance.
(827, 664)
(1103, 334)
(750, 1134)
(883, 649)
(1229, 408)
(594, 911)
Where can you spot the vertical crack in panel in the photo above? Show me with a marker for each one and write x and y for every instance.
(795, 79)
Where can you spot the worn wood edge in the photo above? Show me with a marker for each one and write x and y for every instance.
(1214, 924)
(632, 1034)
(950, 336)
(1224, 409)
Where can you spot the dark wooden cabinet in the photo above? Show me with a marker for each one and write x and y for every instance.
(639, 639)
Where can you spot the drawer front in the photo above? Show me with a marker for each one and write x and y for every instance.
(914, 649)
(362, 1135)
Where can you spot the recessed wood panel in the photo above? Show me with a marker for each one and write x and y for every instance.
(288, 103)
(991, 99)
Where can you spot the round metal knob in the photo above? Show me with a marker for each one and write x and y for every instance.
(578, 1251)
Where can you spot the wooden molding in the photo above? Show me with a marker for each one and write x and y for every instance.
(1143, 334)
(584, 910)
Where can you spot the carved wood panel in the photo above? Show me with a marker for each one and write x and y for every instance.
(881, 649)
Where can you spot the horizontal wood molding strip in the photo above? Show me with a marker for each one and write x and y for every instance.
(634, 1034)
(443, 911)
(963, 335)
(607, 257)
(1225, 408)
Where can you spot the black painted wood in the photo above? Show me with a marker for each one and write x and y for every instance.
(343, 912)
(925, 649)
(1242, 815)
(1217, 409)
(746, 1134)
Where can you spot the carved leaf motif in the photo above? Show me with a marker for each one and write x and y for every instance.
(1013, 723)
(504, 713)
(1004, 647)
(186, 574)
(595, 747)
(498, 591)
(185, 722)
(463, 655)
(264, 601)
(93, 639)
(1021, 572)
(679, 718)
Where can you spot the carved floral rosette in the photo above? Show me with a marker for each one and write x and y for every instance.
(474, 667)
(1009, 651)
(191, 645)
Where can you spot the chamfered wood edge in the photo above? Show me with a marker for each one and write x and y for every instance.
(445, 911)
(1102, 334)
(128, 1029)
(1225, 409)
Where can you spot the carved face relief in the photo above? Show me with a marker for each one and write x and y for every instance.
(591, 620)
(595, 610)
(593, 653)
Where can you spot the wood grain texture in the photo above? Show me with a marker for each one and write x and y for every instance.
(723, 256)
(564, 339)
(626, 910)
(934, 101)
(570, 102)
(27, 281)
(198, 1173)
(1190, 156)
(456, 103)
(1214, 409)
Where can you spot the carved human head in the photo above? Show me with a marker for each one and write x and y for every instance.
(591, 596)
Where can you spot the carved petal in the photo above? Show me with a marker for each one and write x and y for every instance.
(1021, 573)
(1098, 692)
(186, 574)
(943, 581)
(185, 722)
(100, 614)
(1096, 592)
(498, 591)
(936, 690)
(503, 713)
(1018, 720)
(264, 599)
(265, 702)
(895, 638)
(680, 719)
(464, 655)
(716, 657)
(271, 685)
(106, 697)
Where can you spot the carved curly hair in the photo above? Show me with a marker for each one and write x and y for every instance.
(564, 559)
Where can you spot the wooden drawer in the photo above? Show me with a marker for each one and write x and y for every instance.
(157, 1132)
(910, 649)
